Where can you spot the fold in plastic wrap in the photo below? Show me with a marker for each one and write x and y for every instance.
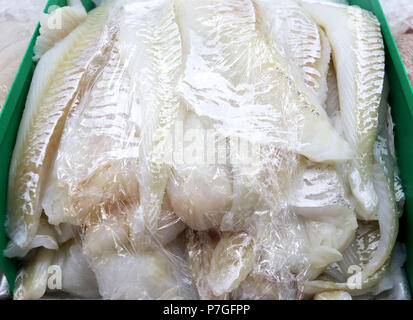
(197, 150)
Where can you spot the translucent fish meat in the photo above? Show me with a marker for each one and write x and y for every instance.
(358, 53)
(96, 164)
(31, 282)
(200, 193)
(46, 237)
(298, 39)
(150, 37)
(243, 63)
(77, 278)
(56, 25)
(56, 86)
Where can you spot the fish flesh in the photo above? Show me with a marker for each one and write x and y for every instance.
(358, 53)
(56, 25)
(200, 193)
(219, 262)
(96, 164)
(231, 262)
(333, 295)
(322, 201)
(150, 37)
(77, 278)
(46, 237)
(55, 87)
(374, 241)
(158, 273)
(299, 40)
(31, 281)
(243, 64)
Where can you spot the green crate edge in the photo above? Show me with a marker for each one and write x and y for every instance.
(401, 100)
(9, 123)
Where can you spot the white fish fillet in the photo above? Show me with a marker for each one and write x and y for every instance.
(219, 262)
(328, 214)
(46, 237)
(333, 295)
(96, 165)
(150, 37)
(374, 242)
(31, 282)
(231, 262)
(55, 86)
(301, 43)
(144, 275)
(200, 193)
(55, 26)
(238, 82)
(78, 278)
(358, 53)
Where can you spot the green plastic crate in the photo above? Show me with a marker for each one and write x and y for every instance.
(401, 100)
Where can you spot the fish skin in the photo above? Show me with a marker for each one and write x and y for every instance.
(358, 53)
(241, 88)
(43, 120)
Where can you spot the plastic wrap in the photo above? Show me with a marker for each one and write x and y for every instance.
(199, 149)
(18, 20)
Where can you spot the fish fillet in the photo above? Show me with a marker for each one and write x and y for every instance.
(358, 53)
(56, 85)
(78, 278)
(55, 26)
(298, 39)
(234, 77)
(31, 281)
(200, 193)
(150, 37)
(97, 160)
(46, 237)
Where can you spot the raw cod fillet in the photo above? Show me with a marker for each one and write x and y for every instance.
(151, 39)
(358, 53)
(219, 262)
(31, 281)
(96, 165)
(200, 193)
(328, 215)
(56, 25)
(66, 268)
(125, 271)
(233, 76)
(46, 237)
(56, 85)
(300, 42)
(78, 278)
(374, 241)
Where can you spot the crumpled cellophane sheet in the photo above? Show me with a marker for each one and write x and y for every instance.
(18, 20)
(197, 159)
